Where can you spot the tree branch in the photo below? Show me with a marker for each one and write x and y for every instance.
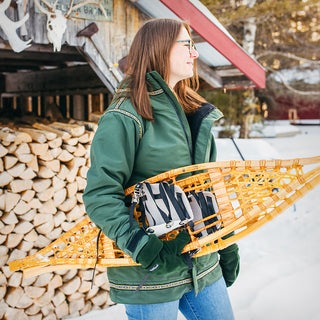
(287, 55)
(289, 87)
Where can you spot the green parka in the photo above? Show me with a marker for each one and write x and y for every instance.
(127, 149)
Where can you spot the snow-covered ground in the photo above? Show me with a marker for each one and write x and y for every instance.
(280, 262)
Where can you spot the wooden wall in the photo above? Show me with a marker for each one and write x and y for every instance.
(116, 35)
(67, 79)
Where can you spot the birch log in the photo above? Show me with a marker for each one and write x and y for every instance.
(42, 177)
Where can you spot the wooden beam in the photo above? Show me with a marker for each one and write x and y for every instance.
(208, 75)
(218, 39)
(39, 58)
(22, 64)
(97, 58)
(43, 52)
(71, 78)
(228, 72)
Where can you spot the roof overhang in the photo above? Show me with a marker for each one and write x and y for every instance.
(217, 47)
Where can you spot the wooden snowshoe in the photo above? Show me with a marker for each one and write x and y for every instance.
(248, 194)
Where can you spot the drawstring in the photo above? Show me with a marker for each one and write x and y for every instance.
(95, 265)
(146, 277)
(142, 283)
(188, 257)
(195, 281)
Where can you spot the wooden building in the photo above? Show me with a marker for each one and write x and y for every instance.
(64, 66)
(76, 71)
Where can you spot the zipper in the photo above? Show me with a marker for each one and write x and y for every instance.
(196, 120)
(179, 117)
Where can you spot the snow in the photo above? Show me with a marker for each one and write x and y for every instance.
(280, 262)
(260, 130)
(308, 73)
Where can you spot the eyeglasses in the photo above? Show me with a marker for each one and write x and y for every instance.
(190, 44)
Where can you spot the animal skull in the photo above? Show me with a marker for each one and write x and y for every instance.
(57, 21)
(56, 27)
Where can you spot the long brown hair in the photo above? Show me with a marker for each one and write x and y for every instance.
(150, 51)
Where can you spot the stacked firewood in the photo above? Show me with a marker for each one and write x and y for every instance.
(42, 178)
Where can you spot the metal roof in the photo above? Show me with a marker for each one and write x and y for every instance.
(216, 47)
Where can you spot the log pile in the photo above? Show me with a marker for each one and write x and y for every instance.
(42, 178)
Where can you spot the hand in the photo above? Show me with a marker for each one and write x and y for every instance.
(163, 256)
(230, 263)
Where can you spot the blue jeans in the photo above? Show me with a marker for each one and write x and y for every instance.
(212, 303)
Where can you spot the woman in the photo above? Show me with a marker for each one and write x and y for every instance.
(157, 122)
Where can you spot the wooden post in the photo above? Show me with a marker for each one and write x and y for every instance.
(101, 106)
(39, 106)
(78, 107)
(293, 115)
(29, 104)
(89, 105)
(67, 106)
(14, 103)
(24, 104)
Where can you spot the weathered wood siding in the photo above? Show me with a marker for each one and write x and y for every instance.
(116, 35)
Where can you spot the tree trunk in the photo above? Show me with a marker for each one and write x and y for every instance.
(248, 44)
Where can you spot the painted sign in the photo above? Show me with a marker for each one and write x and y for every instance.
(87, 12)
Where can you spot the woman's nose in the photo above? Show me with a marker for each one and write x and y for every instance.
(194, 53)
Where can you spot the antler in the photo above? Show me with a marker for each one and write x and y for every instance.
(10, 27)
(81, 4)
(57, 21)
(48, 5)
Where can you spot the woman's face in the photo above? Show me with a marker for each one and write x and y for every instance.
(182, 56)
